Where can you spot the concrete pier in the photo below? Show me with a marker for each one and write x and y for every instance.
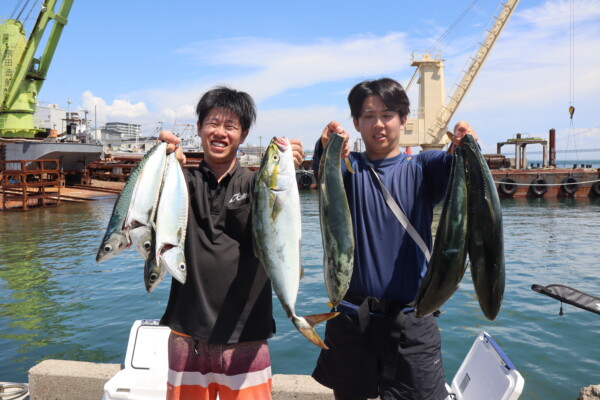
(77, 380)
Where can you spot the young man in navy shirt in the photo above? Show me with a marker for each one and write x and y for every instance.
(377, 346)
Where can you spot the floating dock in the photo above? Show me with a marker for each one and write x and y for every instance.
(518, 179)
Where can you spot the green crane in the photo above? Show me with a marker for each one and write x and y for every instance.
(21, 74)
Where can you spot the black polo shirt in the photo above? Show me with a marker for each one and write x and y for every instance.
(227, 295)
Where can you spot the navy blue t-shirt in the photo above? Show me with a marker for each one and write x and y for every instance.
(388, 264)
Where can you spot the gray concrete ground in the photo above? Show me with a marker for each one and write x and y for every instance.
(76, 380)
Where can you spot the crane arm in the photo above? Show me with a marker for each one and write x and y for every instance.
(439, 127)
(24, 69)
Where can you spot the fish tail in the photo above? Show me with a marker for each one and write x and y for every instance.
(305, 326)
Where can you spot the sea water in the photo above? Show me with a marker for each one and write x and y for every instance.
(56, 302)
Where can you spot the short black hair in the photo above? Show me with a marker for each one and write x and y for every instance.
(391, 92)
(239, 103)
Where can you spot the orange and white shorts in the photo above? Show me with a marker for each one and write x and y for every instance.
(199, 370)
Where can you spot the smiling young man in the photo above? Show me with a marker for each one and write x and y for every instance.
(377, 347)
(221, 318)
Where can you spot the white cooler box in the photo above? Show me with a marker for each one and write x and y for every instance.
(146, 364)
(486, 373)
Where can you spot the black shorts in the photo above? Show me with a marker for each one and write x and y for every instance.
(354, 364)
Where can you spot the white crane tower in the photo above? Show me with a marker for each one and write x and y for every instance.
(429, 129)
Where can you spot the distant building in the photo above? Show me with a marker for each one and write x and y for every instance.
(50, 116)
(58, 122)
(127, 131)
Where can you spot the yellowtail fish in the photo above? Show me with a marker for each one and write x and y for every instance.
(449, 256)
(336, 222)
(486, 240)
(277, 232)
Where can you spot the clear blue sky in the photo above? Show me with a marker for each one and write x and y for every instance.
(148, 61)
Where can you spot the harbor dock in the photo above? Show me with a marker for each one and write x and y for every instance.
(77, 380)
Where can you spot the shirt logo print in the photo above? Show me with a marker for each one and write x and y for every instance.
(238, 197)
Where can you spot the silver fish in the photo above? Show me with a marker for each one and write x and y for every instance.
(145, 199)
(154, 271)
(336, 223)
(277, 232)
(171, 221)
(116, 239)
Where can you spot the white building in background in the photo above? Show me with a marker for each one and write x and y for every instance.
(58, 122)
(126, 131)
(50, 116)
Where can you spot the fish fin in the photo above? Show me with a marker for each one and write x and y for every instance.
(349, 166)
(305, 326)
(329, 304)
(277, 207)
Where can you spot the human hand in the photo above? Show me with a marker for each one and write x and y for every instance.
(297, 152)
(336, 127)
(461, 129)
(172, 142)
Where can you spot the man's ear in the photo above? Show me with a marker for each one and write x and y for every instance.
(403, 121)
(244, 135)
(198, 127)
(355, 121)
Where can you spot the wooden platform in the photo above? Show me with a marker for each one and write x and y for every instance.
(78, 193)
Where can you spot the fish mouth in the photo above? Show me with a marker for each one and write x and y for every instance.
(282, 143)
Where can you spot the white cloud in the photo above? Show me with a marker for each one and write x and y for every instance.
(119, 109)
(556, 14)
(269, 67)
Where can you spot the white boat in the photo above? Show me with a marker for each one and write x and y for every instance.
(485, 373)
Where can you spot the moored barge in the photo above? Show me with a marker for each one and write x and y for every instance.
(540, 179)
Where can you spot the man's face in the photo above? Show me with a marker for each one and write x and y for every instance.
(380, 128)
(221, 134)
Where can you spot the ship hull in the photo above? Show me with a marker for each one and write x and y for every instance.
(73, 156)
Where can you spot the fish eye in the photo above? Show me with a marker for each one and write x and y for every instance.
(107, 248)
(182, 266)
(153, 277)
(147, 245)
(275, 157)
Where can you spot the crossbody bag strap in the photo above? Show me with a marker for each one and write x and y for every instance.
(399, 214)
